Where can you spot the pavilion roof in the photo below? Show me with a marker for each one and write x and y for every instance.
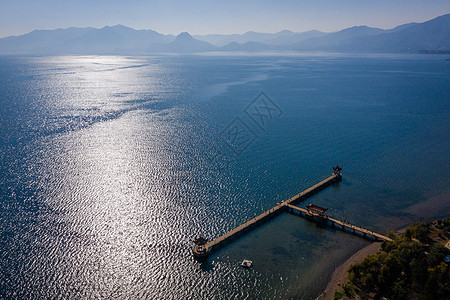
(337, 168)
(200, 241)
(317, 208)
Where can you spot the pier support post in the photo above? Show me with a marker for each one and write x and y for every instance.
(287, 206)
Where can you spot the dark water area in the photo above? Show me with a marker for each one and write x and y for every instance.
(111, 165)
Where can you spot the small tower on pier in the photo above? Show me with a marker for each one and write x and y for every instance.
(337, 170)
(200, 250)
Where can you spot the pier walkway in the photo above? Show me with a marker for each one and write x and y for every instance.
(313, 190)
(202, 250)
(366, 233)
(274, 211)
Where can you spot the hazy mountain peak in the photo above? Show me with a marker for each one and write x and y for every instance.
(117, 27)
(184, 42)
(184, 36)
(284, 32)
(363, 29)
(119, 39)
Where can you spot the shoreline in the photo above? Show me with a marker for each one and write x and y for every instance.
(340, 274)
(419, 210)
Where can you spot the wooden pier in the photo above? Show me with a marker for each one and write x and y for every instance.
(269, 214)
(344, 226)
(313, 190)
(203, 248)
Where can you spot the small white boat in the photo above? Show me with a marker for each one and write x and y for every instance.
(246, 263)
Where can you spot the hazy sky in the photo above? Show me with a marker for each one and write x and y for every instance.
(225, 16)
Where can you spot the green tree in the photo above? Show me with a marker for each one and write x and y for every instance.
(437, 254)
(406, 268)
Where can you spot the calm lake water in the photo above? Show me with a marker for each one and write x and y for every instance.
(111, 165)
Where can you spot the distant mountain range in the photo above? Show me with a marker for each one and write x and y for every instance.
(429, 37)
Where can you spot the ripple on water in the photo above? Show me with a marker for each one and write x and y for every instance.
(110, 170)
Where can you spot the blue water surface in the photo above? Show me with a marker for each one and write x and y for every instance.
(111, 165)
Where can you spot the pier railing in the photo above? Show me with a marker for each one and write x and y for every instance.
(269, 214)
(288, 205)
(344, 225)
